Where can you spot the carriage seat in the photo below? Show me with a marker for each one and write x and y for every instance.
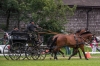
(19, 36)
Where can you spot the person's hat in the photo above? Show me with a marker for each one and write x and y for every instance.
(31, 21)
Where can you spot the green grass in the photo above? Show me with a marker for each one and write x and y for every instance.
(75, 61)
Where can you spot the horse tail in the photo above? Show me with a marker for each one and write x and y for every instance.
(49, 41)
(53, 44)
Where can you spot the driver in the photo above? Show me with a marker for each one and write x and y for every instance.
(32, 29)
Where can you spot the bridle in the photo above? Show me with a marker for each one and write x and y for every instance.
(87, 41)
(83, 40)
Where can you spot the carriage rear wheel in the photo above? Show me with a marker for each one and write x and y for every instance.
(6, 51)
(15, 50)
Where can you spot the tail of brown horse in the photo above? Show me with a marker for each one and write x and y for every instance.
(53, 44)
(49, 41)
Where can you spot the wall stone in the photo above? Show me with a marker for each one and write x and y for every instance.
(13, 21)
(75, 22)
(79, 20)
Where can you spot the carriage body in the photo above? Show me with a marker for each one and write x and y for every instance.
(19, 37)
(17, 45)
(22, 45)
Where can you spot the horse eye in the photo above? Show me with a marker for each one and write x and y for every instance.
(92, 36)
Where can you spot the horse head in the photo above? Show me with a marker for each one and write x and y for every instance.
(80, 31)
(87, 37)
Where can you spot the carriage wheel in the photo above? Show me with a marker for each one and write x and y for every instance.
(6, 51)
(15, 51)
(35, 54)
(23, 55)
(23, 51)
(42, 54)
(31, 53)
(28, 53)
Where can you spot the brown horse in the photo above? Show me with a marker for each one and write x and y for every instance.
(77, 33)
(72, 41)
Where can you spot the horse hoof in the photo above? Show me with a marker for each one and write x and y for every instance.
(63, 55)
(55, 59)
(68, 58)
(50, 58)
(87, 59)
(80, 58)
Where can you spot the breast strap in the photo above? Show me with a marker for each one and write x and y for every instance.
(76, 39)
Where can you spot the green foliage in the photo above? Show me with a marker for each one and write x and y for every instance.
(49, 14)
(3, 26)
(9, 5)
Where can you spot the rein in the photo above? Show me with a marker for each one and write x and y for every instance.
(76, 39)
(48, 32)
(85, 40)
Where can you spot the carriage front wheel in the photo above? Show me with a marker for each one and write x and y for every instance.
(32, 53)
(42, 54)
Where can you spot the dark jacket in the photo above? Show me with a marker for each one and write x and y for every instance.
(31, 27)
(14, 31)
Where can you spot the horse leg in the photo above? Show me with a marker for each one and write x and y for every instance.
(82, 48)
(75, 50)
(55, 56)
(57, 49)
(85, 55)
(51, 53)
(62, 53)
(79, 54)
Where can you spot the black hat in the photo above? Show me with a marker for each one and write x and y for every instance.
(15, 27)
(31, 21)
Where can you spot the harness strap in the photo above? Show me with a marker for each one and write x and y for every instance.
(85, 41)
(76, 39)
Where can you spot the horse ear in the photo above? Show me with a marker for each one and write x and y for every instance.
(87, 29)
(78, 31)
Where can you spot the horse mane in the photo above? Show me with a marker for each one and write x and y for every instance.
(78, 31)
(88, 32)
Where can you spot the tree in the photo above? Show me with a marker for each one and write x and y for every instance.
(49, 14)
(9, 6)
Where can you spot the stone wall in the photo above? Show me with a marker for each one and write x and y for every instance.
(13, 20)
(79, 20)
(75, 22)
(2, 17)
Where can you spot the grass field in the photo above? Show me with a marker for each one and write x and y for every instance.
(75, 61)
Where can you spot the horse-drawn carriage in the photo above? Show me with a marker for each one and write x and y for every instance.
(21, 45)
